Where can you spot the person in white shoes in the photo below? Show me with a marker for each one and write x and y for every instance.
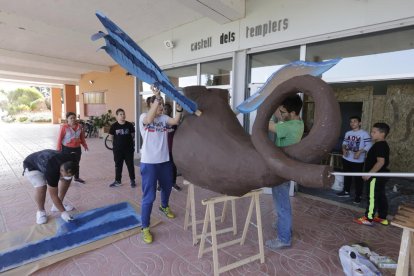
(356, 144)
(45, 169)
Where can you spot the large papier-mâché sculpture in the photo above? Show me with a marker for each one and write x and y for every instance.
(213, 151)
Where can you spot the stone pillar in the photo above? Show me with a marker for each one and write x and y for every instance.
(56, 105)
(69, 98)
(239, 83)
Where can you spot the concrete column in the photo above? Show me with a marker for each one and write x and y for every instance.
(69, 98)
(138, 111)
(56, 105)
(239, 83)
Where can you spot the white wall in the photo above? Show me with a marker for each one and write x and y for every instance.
(308, 21)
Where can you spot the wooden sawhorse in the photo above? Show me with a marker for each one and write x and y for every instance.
(210, 218)
(405, 220)
(190, 215)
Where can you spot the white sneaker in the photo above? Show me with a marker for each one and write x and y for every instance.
(68, 207)
(41, 217)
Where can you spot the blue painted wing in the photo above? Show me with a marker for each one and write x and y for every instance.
(133, 59)
(297, 68)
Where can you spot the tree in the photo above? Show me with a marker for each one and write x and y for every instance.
(20, 100)
(43, 89)
(23, 96)
(3, 100)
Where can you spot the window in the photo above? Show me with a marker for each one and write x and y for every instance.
(262, 65)
(94, 103)
(94, 97)
(216, 72)
(378, 56)
(183, 76)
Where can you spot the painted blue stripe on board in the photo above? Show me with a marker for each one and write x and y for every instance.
(95, 217)
(114, 224)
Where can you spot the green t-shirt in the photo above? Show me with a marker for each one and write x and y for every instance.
(288, 132)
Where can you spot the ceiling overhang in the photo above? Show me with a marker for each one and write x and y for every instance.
(221, 11)
(49, 42)
(40, 69)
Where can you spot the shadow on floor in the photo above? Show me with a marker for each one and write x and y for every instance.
(403, 193)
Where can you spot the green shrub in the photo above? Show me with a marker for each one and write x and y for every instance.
(105, 120)
(9, 119)
(38, 105)
(23, 119)
(41, 117)
(47, 102)
(41, 120)
(20, 100)
(23, 96)
(22, 107)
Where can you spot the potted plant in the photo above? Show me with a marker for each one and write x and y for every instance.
(104, 122)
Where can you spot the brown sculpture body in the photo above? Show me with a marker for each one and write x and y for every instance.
(213, 151)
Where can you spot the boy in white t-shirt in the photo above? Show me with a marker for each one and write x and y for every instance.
(155, 160)
(354, 147)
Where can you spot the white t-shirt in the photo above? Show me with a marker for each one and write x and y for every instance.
(354, 141)
(154, 148)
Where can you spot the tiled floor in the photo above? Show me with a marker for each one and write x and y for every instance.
(320, 228)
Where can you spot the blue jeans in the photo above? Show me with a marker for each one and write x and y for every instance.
(281, 200)
(151, 173)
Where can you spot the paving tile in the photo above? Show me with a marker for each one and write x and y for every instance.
(156, 259)
(63, 268)
(107, 260)
(279, 264)
(319, 227)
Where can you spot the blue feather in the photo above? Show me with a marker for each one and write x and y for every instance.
(291, 70)
(132, 58)
(132, 64)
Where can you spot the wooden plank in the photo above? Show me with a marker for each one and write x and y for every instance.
(204, 233)
(403, 224)
(234, 216)
(259, 228)
(223, 213)
(240, 263)
(224, 198)
(187, 211)
(222, 231)
(247, 222)
(411, 270)
(210, 219)
(190, 214)
(405, 214)
(216, 264)
(407, 206)
(404, 257)
(222, 245)
(193, 214)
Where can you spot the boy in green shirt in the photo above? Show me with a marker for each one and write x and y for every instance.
(289, 131)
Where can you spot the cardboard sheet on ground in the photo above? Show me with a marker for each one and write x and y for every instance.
(33, 234)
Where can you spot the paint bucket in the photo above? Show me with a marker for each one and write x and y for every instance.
(339, 183)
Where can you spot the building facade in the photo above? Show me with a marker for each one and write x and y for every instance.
(374, 79)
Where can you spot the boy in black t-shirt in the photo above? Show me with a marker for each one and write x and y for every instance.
(122, 134)
(45, 169)
(377, 161)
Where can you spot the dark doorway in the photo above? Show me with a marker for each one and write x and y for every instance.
(348, 109)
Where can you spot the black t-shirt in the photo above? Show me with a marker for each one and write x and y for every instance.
(379, 149)
(48, 162)
(122, 136)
